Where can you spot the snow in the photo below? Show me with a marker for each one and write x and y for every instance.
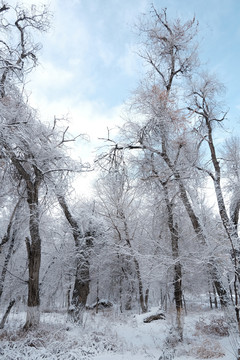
(110, 335)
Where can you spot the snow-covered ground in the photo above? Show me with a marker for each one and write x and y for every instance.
(109, 335)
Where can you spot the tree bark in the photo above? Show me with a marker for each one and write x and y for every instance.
(213, 270)
(82, 275)
(9, 236)
(143, 305)
(34, 262)
(7, 312)
(177, 279)
(32, 181)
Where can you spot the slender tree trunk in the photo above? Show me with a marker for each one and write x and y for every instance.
(97, 299)
(196, 224)
(210, 299)
(7, 312)
(120, 293)
(213, 270)
(215, 297)
(146, 297)
(230, 227)
(9, 236)
(136, 265)
(230, 289)
(6, 262)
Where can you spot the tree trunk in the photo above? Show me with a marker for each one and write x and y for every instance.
(228, 224)
(146, 297)
(128, 294)
(9, 236)
(34, 261)
(7, 312)
(213, 270)
(136, 265)
(6, 261)
(196, 224)
(215, 297)
(32, 181)
(82, 275)
(177, 281)
(80, 291)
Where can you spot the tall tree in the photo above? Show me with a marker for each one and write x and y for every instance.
(121, 211)
(204, 104)
(18, 56)
(162, 134)
(31, 150)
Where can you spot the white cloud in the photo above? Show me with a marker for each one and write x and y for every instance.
(84, 117)
(130, 62)
(49, 75)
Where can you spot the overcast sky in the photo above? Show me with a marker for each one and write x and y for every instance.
(88, 66)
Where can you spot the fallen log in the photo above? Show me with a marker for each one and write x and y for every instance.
(158, 316)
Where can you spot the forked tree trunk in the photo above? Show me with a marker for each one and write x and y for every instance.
(82, 275)
(196, 224)
(32, 181)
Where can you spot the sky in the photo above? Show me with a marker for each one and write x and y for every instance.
(89, 66)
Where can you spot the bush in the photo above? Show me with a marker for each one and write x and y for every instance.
(207, 350)
(55, 342)
(217, 326)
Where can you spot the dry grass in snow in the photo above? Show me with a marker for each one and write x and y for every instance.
(113, 336)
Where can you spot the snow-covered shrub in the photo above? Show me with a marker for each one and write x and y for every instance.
(172, 340)
(217, 326)
(208, 349)
(167, 355)
(54, 342)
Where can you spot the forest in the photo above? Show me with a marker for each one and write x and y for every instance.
(148, 245)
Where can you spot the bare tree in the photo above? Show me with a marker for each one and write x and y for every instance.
(18, 53)
(208, 111)
(231, 172)
(122, 213)
(163, 135)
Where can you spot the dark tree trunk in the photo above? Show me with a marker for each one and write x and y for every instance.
(34, 261)
(32, 181)
(146, 297)
(196, 224)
